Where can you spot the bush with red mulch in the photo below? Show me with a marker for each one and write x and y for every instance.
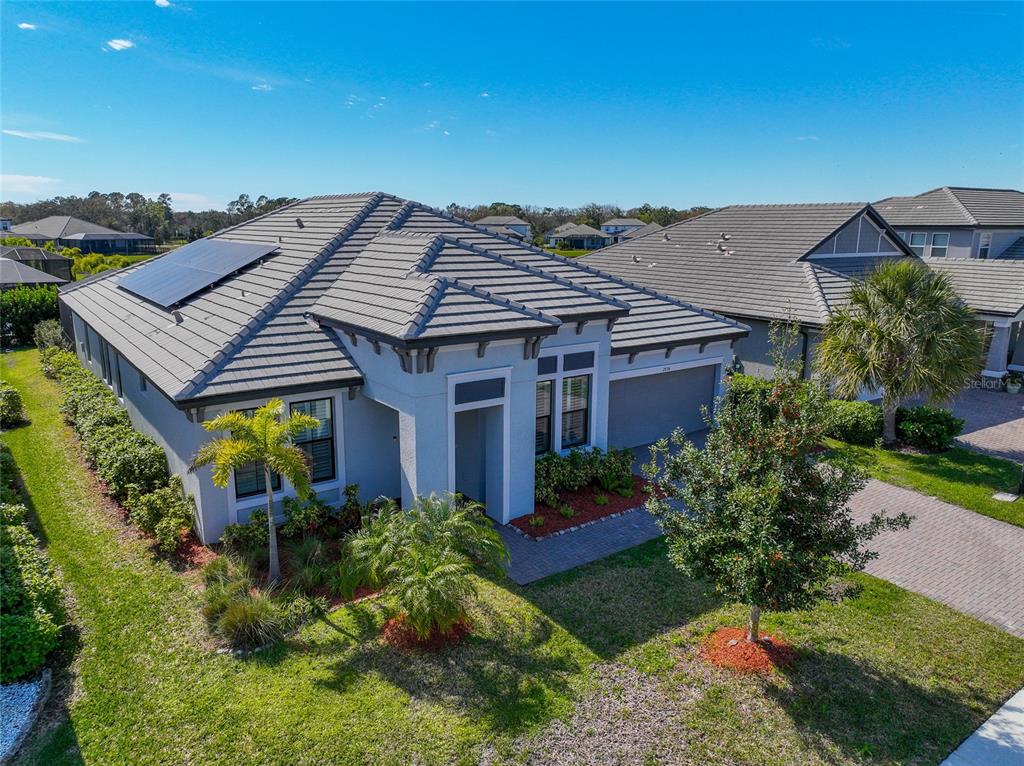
(582, 502)
(397, 634)
(729, 648)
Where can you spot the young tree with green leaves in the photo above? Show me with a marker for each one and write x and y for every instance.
(769, 527)
(264, 438)
(905, 331)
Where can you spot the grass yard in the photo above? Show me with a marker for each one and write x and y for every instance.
(592, 661)
(568, 253)
(958, 476)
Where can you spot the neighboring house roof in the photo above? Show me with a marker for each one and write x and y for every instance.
(256, 332)
(501, 220)
(69, 227)
(623, 222)
(648, 228)
(18, 253)
(1014, 252)
(502, 230)
(761, 276)
(988, 287)
(17, 273)
(956, 206)
(578, 230)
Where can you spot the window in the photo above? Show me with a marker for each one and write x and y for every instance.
(940, 245)
(117, 374)
(250, 479)
(88, 345)
(543, 440)
(479, 390)
(318, 443)
(918, 239)
(142, 382)
(984, 244)
(575, 410)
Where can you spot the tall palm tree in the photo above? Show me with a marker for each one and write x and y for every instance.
(266, 439)
(905, 331)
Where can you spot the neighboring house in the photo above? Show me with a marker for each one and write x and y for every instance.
(959, 222)
(614, 226)
(643, 231)
(577, 236)
(764, 263)
(507, 225)
(68, 231)
(5, 224)
(16, 274)
(38, 258)
(437, 355)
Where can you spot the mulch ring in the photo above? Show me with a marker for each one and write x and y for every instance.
(400, 636)
(729, 648)
(584, 509)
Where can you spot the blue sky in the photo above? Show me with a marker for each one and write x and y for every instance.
(678, 104)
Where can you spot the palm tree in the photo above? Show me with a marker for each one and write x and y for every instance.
(905, 331)
(263, 438)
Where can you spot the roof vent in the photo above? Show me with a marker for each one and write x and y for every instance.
(665, 237)
(299, 223)
(178, 318)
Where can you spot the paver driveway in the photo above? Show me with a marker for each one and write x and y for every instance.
(993, 422)
(970, 562)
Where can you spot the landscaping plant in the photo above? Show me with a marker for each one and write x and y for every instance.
(166, 513)
(11, 411)
(905, 331)
(854, 422)
(264, 438)
(762, 522)
(928, 428)
(22, 308)
(49, 334)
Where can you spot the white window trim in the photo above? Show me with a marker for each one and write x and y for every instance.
(932, 245)
(556, 393)
(923, 246)
(506, 426)
(982, 235)
(236, 504)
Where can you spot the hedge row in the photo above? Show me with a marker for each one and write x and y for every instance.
(31, 598)
(22, 309)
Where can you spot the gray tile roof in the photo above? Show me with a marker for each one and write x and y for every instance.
(1014, 252)
(67, 227)
(18, 273)
(578, 230)
(501, 220)
(622, 222)
(760, 277)
(17, 253)
(249, 333)
(988, 286)
(956, 206)
(643, 231)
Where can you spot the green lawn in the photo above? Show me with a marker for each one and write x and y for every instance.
(568, 253)
(957, 476)
(885, 677)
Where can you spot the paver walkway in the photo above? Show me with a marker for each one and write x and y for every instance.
(993, 422)
(997, 742)
(963, 559)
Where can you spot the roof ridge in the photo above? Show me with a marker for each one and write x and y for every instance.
(286, 292)
(748, 206)
(817, 292)
(247, 221)
(959, 204)
(430, 296)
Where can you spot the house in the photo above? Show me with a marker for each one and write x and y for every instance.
(615, 226)
(17, 274)
(508, 226)
(5, 224)
(959, 222)
(795, 263)
(643, 231)
(68, 231)
(577, 236)
(436, 354)
(38, 258)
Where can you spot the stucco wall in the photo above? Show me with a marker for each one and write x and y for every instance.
(372, 448)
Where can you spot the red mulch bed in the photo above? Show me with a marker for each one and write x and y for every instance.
(729, 648)
(400, 636)
(192, 553)
(582, 501)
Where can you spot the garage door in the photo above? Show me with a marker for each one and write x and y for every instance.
(645, 408)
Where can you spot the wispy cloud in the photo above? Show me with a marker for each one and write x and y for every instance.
(42, 135)
(432, 125)
(351, 101)
(15, 184)
(806, 138)
(427, 84)
(485, 94)
(162, 3)
(26, 25)
(119, 44)
(445, 133)
(263, 87)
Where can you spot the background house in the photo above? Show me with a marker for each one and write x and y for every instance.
(577, 236)
(621, 225)
(959, 222)
(38, 258)
(507, 225)
(16, 274)
(437, 355)
(68, 231)
(643, 231)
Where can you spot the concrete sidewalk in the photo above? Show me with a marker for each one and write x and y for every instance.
(997, 742)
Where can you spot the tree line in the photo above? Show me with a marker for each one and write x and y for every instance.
(145, 215)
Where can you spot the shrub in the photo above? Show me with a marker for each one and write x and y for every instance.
(434, 588)
(600, 499)
(250, 536)
(49, 334)
(22, 309)
(11, 410)
(12, 514)
(350, 516)
(27, 640)
(9, 493)
(566, 512)
(299, 610)
(304, 516)
(166, 513)
(250, 620)
(308, 562)
(125, 458)
(348, 576)
(928, 428)
(554, 473)
(56, 362)
(854, 422)
(536, 520)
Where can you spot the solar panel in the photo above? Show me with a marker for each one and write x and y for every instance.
(193, 267)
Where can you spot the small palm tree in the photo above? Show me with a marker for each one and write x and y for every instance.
(265, 439)
(906, 331)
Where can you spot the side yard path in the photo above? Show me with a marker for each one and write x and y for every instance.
(970, 562)
(993, 422)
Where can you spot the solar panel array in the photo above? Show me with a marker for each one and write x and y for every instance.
(193, 267)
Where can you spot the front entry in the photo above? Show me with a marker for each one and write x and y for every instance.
(479, 456)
